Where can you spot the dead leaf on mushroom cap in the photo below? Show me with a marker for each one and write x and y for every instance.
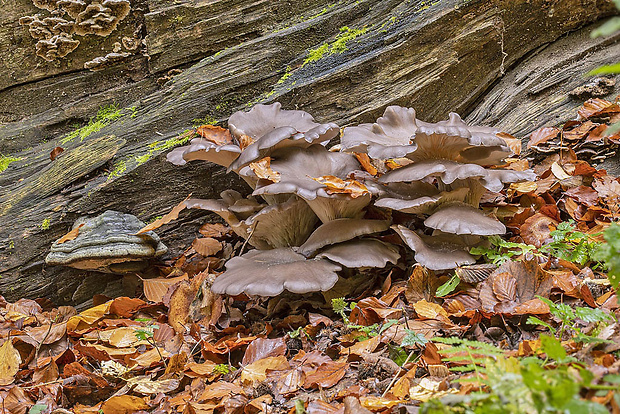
(513, 287)
(71, 235)
(215, 134)
(337, 185)
(263, 170)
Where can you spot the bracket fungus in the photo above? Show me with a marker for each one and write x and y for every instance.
(107, 243)
(446, 169)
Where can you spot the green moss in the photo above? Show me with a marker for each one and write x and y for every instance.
(119, 168)
(134, 111)
(207, 120)
(339, 45)
(5, 161)
(45, 224)
(105, 115)
(159, 146)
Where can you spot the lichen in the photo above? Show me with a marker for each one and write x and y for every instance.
(6, 160)
(105, 115)
(45, 224)
(207, 120)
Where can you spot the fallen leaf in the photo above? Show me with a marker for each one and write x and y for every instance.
(422, 284)
(155, 289)
(144, 385)
(580, 131)
(536, 230)
(364, 160)
(363, 347)
(263, 170)
(71, 235)
(327, 375)
(523, 187)
(215, 134)
(172, 215)
(206, 246)
(9, 362)
(214, 230)
(55, 153)
(337, 185)
(429, 310)
(379, 403)
(514, 143)
(256, 371)
(542, 135)
(596, 107)
(123, 404)
(262, 348)
(88, 318)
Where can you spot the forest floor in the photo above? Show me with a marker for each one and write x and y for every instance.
(534, 328)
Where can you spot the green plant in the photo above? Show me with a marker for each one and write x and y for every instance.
(147, 333)
(609, 253)
(448, 287)
(221, 369)
(567, 243)
(568, 320)
(5, 161)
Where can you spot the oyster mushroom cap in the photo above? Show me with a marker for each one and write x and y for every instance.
(107, 243)
(494, 180)
(464, 219)
(388, 137)
(340, 230)
(361, 253)
(455, 140)
(440, 252)
(448, 171)
(202, 149)
(270, 272)
(422, 204)
(265, 227)
(298, 167)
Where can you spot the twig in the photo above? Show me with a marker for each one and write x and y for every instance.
(400, 368)
(249, 237)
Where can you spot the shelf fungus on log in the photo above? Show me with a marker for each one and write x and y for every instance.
(270, 272)
(107, 243)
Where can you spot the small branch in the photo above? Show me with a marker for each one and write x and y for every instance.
(397, 374)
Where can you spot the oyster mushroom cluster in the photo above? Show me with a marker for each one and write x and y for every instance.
(313, 219)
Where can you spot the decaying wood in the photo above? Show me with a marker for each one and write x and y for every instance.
(435, 56)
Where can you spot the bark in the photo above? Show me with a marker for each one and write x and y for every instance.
(441, 56)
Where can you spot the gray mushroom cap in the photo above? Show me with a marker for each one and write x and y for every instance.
(202, 149)
(270, 272)
(107, 243)
(464, 219)
(273, 128)
(448, 171)
(455, 140)
(297, 169)
(340, 230)
(265, 227)
(439, 252)
(361, 253)
(389, 137)
(423, 204)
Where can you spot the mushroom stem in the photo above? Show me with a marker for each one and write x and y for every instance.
(339, 206)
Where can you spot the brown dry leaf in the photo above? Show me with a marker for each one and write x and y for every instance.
(596, 107)
(542, 135)
(584, 195)
(9, 362)
(401, 387)
(125, 307)
(172, 215)
(263, 170)
(530, 279)
(215, 134)
(262, 348)
(363, 347)
(258, 405)
(180, 302)
(16, 401)
(150, 357)
(337, 185)
(364, 160)
(124, 404)
(207, 246)
(536, 230)
(88, 318)
(46, 334)
(123, 337)
(55, 153)
(522, 187)
(422, 284)
(580, 131)
(155, 289)
(71, 235)
(428, 389)
(144, 385)
(257, 371)
(177, 363)
(204, 369)
(379, 403)
(559, 172)
(214, 230)
(517, 165)
(532, 307)
(429, 310)
(372, 310)
(327, 375)
(321, 407)
(220, 390)
(513, 142)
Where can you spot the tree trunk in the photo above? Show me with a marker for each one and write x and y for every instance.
(499, 61)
